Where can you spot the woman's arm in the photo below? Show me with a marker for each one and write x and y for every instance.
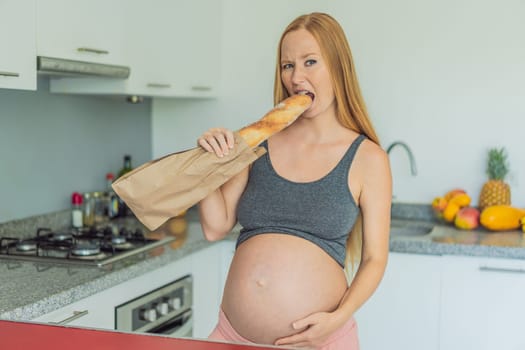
(375, 201)
(217, 211)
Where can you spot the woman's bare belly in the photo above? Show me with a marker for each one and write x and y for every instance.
(276, 279)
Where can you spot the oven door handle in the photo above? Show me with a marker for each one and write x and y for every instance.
(76, 314)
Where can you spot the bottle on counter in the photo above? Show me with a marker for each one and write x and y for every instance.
(123, 209)
(76, 212)
(112, 200)
(126, 167)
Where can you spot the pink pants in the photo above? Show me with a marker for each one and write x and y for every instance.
(345, 338)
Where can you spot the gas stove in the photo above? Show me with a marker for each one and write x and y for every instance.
(95, 246)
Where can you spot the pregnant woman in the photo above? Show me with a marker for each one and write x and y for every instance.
(315, 203)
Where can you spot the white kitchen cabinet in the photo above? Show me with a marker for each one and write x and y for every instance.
(82, 30)
(96, 311)
(403, 313)
(18, 48)
(206, 293)
(176, 48)
(210, 268)
(227, 252)
(100, 307)
(172, 47)
(483, 303)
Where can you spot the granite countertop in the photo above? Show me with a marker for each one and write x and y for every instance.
(30, 289)
(445, 239)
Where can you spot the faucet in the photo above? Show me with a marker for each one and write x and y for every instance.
(413, 169)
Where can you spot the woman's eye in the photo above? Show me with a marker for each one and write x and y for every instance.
(310, 62)
(287, 66)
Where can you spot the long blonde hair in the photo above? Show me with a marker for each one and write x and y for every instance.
(350, 107)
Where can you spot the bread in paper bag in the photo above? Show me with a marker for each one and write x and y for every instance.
(162, 188)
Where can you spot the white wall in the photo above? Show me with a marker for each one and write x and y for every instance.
(52, 145)
(447, 77)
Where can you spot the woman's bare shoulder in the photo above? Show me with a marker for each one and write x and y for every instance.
(372, 153)
(371, 159)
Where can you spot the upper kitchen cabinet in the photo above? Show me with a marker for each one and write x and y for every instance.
(17, 39)
(176, 48)
(172, 47)
(91, 31)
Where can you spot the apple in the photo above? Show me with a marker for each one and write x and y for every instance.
(452, 193)
(467, 218)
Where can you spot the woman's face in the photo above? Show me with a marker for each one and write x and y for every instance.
(303, 70)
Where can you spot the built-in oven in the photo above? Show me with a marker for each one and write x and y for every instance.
(165, 310)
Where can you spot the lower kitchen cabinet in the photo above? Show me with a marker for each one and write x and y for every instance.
(206, 289)
(483, 304)
(210, 269)
(100, 307)
(205, 266)
(403, 313)
(97, 311)
(227, 252)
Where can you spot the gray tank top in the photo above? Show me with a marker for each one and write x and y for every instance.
(322, 211)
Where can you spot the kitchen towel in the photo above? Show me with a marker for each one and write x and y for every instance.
(165, 187)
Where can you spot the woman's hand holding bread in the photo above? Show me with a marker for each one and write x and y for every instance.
(221, 140)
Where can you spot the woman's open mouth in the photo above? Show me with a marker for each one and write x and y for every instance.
(307, 93)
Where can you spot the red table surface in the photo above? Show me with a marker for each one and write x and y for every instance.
(37, 336)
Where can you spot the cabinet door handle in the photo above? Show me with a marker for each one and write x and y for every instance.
(9, 74)
(92, 50)
(159, 85)
(500, 269)
(76, 314)
(201, 88)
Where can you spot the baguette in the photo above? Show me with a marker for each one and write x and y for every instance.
(278, 118)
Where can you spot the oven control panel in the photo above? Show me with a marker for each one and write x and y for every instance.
(156, 307)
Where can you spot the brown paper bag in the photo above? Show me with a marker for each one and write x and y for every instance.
(162, 188)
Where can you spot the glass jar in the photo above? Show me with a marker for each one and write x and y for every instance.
(88, 217)
(100, 207)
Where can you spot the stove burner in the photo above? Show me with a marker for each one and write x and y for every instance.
(61, 236)
(93, 246)
(26, 245)
(85, 249)
(118, 240)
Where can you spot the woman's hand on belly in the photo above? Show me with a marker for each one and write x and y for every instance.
(277, 279)
(313, 330)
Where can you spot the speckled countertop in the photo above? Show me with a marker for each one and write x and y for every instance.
(441, 238)
(446, 240)
(29, 289)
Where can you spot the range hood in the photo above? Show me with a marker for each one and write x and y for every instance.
(71, 68)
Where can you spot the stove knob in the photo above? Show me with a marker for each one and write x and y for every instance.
(149, 315)
(176, 303)
(162, 308)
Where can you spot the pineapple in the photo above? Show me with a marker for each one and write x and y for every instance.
(495, 191)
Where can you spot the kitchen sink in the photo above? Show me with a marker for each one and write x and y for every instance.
(411, 229)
